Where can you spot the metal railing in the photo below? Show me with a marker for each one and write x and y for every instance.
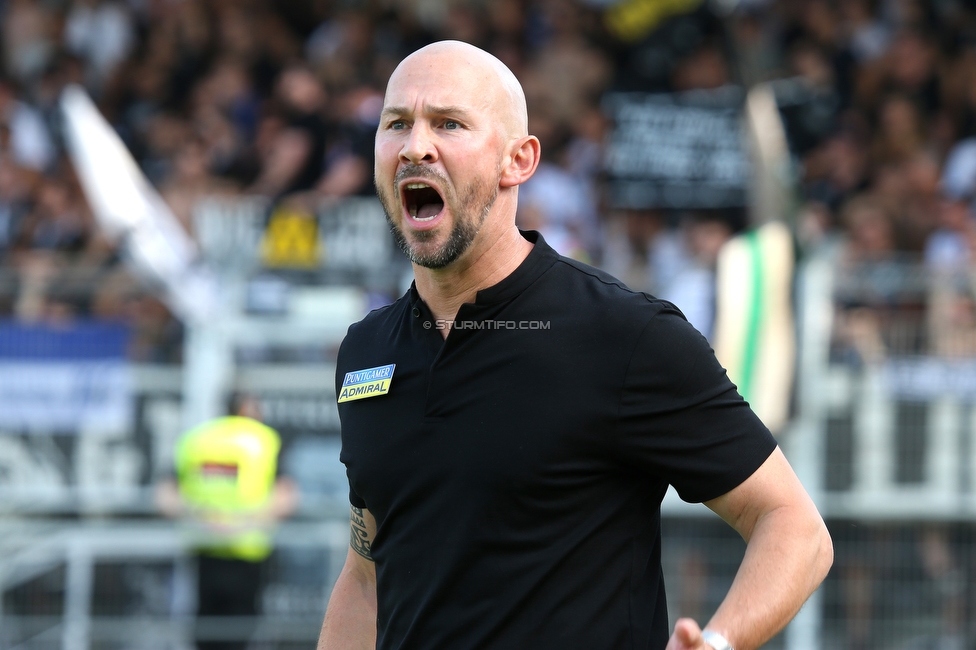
(95, 584)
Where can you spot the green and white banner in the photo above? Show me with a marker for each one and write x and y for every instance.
(754, 336)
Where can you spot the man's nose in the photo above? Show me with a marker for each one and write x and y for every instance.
(419, 146)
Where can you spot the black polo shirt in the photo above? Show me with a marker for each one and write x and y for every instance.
(516, 470)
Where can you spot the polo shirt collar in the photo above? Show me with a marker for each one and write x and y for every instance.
(540, 258)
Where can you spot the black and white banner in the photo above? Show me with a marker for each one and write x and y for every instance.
(681, 151)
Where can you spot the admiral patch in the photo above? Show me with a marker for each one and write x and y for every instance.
(370, 382)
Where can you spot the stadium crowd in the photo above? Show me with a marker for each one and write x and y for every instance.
(280, 98)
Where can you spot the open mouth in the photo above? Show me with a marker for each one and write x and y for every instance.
(422, 201)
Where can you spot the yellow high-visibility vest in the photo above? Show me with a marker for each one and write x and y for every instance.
(226, 469)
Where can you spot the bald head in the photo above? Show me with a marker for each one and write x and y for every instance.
(493, 78)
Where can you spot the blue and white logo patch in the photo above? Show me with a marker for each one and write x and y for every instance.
(370, 382)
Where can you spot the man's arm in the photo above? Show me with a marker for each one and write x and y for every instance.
(350, 620)
(788, 554)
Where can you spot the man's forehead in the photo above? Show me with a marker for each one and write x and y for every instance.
(439, 73)
(448, 55)
(435, 89)
(458, 75)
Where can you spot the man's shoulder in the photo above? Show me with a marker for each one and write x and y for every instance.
(376, 324)
(382, 316)
(590, 284)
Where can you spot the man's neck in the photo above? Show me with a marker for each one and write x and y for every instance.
(445, 290)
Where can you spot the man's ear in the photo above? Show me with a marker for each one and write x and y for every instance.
(524, 159)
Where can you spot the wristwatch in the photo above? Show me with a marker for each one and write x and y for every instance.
(716, 640)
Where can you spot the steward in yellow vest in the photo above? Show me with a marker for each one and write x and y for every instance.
(226, 471)
(227, 490)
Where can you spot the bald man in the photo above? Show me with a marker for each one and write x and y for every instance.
(511, 424)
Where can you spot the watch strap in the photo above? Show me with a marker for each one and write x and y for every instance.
(716, 640)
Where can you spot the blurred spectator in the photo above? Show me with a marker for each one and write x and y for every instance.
(868, 220)
(900, 132)
(866, 35)
(29, 37)
(57, 253)
(638, 247)
(292, 139)
(949, 253)
(839, 167)
(758, 57)
(23, 133)
(58, 221)
(952, 314)
(102, 33)
(566, 72)
(163, 134)
(951, 243)
(690, 283)
(349, 160)
(950, 246)
(816, 228)
(872, 295)
(556, 203)
(908, 68)
(228, 487)
(15, 192)
(224, 112)
(190, 180)
(704, 68)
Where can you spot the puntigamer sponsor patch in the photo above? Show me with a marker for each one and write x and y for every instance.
(370, 382)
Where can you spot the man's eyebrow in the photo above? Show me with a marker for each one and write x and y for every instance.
(394, 110)
(429, 109)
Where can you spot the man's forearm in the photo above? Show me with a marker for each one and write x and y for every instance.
(787, 557)
(350, 621)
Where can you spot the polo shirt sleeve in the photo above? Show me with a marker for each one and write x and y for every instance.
(681, 418)
(355, 500)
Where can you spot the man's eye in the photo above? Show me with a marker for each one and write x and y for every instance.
(451, 125)
(398, 125)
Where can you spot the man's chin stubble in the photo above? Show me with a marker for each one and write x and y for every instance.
(437, 257)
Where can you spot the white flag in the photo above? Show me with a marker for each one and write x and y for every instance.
(132, 212)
